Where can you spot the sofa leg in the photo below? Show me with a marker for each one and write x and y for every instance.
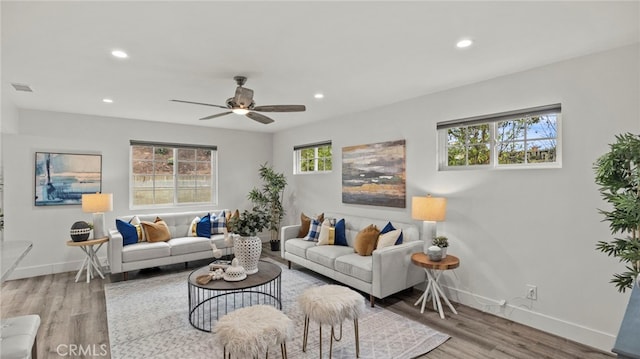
(372, 299)
(125, 275)
(186, 265)
(34, 348)
(289, 263)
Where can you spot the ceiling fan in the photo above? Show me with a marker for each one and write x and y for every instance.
(242, 104)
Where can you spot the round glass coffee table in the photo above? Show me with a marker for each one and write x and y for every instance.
(209, 302)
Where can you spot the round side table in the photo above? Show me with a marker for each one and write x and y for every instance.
(434, 270)
(91, 261)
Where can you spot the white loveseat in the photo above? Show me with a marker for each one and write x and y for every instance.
(388, 271)
(180, 248)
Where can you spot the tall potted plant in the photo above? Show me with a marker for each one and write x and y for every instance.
(618, 175)
(270, 197)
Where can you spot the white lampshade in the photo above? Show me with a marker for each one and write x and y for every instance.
(429, 208)
(97, 202)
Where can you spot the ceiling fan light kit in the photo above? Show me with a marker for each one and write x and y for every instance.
(242, 104)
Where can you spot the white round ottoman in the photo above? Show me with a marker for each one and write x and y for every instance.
(330, 305)
(249, 332)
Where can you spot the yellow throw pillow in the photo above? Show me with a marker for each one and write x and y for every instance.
(192, 227)
(135, 221)
(305, 223)
(158, 231)
(366, 240)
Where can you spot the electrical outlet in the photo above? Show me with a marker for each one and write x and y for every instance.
(532, 292)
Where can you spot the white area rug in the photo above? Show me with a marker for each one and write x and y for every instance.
(148, 318)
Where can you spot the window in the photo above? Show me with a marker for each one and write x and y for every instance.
(165, 174)
(523, 138)
(312, 158)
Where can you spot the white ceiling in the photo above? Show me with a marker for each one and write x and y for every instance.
(360, 54)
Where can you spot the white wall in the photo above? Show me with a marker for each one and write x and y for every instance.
(509, 227)
(239, 157)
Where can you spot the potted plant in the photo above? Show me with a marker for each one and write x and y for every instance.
(270, 198)
(618, 175)
(247, 246)
(442, 242)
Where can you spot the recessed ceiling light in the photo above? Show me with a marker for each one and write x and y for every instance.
(107, 100)
(119, 54)
(464, 43)
(318, 95)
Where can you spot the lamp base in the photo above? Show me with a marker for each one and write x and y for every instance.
(98, 226)
(429, 231)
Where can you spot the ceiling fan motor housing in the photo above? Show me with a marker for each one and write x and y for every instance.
(242, 99)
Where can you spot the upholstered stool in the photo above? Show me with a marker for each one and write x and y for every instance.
(19, 337)
(330, 305)
(249, 332)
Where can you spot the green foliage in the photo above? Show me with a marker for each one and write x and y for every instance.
(440, 241)
(269, 198)
(250, 223)
(618, 175)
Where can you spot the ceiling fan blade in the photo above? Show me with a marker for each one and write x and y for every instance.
(216, 115)
(200, 103)
(280, 108)
(259, 117)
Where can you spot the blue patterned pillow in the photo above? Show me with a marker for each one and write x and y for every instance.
(128, 231)
(219, 224)
(341, 235)
(203, 228)
(314, 231)
(388, 228)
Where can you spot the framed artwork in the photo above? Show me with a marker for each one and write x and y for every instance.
(62, 178)
(374, 174)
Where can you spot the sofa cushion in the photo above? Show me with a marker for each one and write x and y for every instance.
(326, 255)
(305, 222)
(220, 242)
(158, 231)
(366, 240)
(355, 265)
(298, 246)
(185, 245)
(144, 251)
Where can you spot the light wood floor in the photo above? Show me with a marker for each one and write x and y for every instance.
(75, 314)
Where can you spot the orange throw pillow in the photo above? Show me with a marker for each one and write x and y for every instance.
(230, 215)
(305, 223)
(158, 231)
(366, 240)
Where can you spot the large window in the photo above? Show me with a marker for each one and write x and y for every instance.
(523, 138)
(312, 158)
(165, 174)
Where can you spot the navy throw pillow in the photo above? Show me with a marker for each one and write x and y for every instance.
(388, 228)
(203, 228)
(128, 231)
(341, 235)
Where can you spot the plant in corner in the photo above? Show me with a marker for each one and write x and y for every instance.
(618, 175)
(270, 198)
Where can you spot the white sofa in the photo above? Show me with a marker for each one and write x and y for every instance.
(180, 248)
(388, 271)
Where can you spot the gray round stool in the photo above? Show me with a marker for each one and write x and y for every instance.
(331, 305)
(249, 332)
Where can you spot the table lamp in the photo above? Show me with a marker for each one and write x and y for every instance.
(430, 210)
(97, 203)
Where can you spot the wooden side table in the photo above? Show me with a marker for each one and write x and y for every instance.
(91, 261)
(434, 270)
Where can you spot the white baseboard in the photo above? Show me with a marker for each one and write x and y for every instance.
(519, 314)
(51, 268)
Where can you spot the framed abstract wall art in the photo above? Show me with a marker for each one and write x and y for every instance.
(62, 178)
(374, 174)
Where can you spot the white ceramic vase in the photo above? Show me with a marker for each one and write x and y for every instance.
(247, 250)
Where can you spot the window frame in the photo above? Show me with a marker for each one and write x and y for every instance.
(297, 158)
(492, 121)
(175, 147)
